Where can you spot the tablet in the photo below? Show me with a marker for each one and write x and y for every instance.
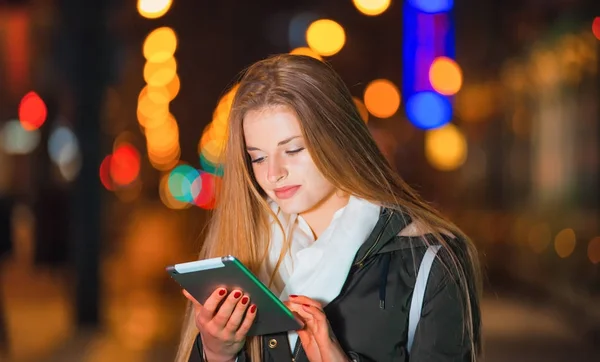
(201, 278)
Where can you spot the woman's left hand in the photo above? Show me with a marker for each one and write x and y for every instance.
(318, 341)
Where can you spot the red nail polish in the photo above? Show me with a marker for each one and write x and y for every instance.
(293, 296)
(222, 292)
(253, 309)
(306, 305)
(237, 294)
(244, 300)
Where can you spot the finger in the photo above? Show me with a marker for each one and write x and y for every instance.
(206, 313)
(190, 297)
(222, 317)
(316, 313)
(302, 299)
(247, 323)
(238, 314)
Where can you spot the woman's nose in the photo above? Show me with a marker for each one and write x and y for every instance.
(276, 171)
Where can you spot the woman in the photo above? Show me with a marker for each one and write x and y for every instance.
(309, 203)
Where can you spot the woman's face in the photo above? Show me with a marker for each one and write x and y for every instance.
(281, 163)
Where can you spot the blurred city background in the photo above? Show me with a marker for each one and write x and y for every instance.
(113, 113)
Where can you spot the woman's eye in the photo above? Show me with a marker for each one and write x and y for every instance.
(292, 152)
(258, 160)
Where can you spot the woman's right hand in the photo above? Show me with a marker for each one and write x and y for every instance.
(223, 329)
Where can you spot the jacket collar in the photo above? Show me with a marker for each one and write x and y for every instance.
(383, 237)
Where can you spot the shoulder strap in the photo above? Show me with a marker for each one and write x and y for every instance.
(416, 304)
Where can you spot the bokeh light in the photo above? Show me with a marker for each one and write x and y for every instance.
(564, 242)
(445, 147)
(445, 76)
(371, 7)
(105, 177)
(184, 183)
(16, 140)
(306, 51)
(153, 9)
(167, 198)
(326, 37)
(382, 98)
(125, 164)
(207, 196)
(428, 110)
(160, 45)
(432, 6)
(63, 146)
(596, 27)
(593, 250)
(32, 111)
(160, 74)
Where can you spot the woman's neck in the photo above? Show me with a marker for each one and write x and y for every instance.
(319, 217)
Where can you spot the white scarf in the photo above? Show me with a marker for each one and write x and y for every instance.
(318, 268)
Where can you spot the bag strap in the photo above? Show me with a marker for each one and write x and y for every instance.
(416, 304)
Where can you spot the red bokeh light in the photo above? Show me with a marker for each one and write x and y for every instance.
(105, 178)
(125, 165)
(206, 197)
(596, 27)
(32, 111)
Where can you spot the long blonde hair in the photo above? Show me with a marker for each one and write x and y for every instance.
(345, 153)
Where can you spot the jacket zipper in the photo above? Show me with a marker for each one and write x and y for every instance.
(367, 254)
(297, 350)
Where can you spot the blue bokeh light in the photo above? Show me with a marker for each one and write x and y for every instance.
(428, 110)
(432, 6)
(184, 183)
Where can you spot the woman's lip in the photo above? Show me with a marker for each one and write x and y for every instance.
(285, 188)
(283, 193)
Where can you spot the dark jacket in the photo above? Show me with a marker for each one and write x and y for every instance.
(370, 315)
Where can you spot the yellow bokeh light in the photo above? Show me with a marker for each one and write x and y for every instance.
(382, 98)
(163, 141)
(160, 74)
(445, 147)
(158, 95)
(362, 109)
(221, 113)
(151, 114)
(306, 51)
(160, 45)
(372, 7)
(213, 150)
(173, 87)
(445, 76)
(564, 242)
(326, 37)
(153, 9)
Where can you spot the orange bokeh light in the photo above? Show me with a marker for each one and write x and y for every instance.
(382, 98)
(445, 76)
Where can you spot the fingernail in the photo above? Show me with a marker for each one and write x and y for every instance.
(293, 296)
(237, 294)
(222, 292)
(253, 309)
(244, 300)
(306, 305)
